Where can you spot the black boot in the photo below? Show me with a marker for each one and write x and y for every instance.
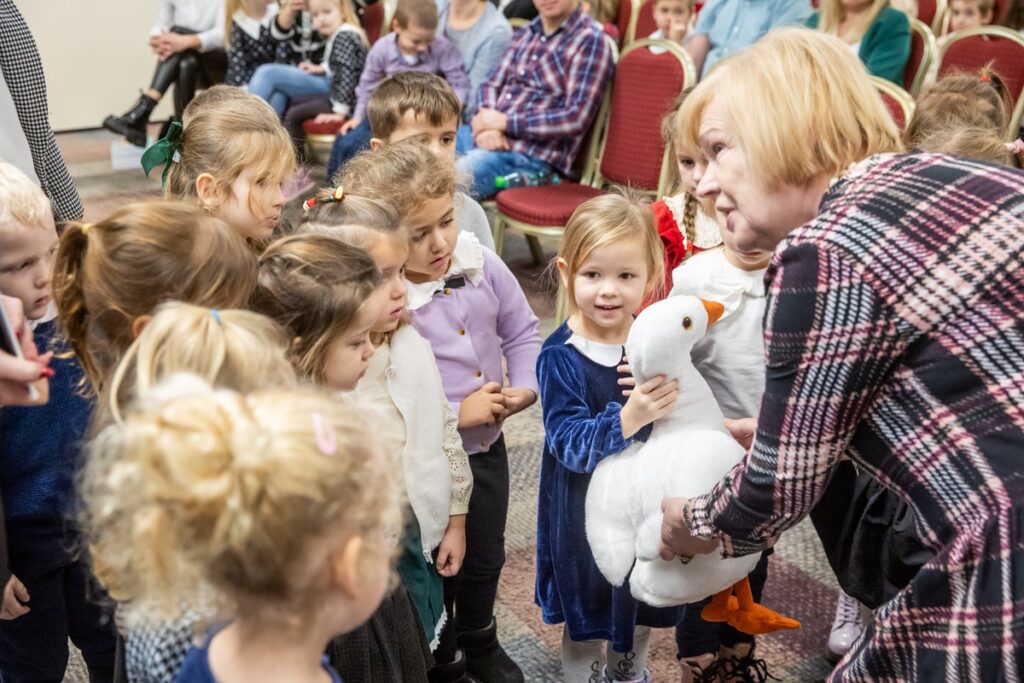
(133, 124)
(452, 672)
(486, 660)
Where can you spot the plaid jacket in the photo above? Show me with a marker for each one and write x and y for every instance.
(895, 337)
(23, 71)
(551, 86)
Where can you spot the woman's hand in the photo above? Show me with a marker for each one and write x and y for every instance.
(311, 68)
(452, 550)
(653, 399)
(173, 43)
(743, 431)
(676, 538)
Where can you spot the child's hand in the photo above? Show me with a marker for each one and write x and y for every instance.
(678, 29)
(628, 381)
(516, 399)
(651, 400)
(310, 68)
(484, 406)
(348, 125)
(14, 598)
(452, 550)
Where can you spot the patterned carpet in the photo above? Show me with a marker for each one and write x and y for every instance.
(800, 583)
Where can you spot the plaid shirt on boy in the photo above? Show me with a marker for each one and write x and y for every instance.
(550, 87)
(894, 336)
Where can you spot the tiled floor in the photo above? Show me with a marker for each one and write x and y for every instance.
(800, 582)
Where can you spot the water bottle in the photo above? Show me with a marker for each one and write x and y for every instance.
(526, 179)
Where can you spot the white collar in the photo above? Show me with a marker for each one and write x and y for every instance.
(250, 25)
(467, 260)
(608, 355)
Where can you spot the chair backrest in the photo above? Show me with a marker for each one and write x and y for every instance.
(585, 164)
(644, 24)
(373, 19)
(933, 13)
(897, 100)
(645, 86)
(922, 53)
(971, 49)
(624, 21)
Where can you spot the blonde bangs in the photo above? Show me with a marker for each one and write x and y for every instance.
(800, 105)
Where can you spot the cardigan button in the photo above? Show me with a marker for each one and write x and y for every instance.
(462, 332)
(447, 291)
(478, 373)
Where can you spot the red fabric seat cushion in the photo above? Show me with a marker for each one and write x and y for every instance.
(545, 205)
(972, 53)
(311, 127)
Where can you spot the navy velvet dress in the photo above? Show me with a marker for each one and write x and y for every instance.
(581, 402)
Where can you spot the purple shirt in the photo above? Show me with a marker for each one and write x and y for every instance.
(385, 59)
(470, 328)
(550, 86)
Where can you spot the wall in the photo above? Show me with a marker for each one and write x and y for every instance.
(95, 55)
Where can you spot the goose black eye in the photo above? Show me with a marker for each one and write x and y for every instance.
(687, 323)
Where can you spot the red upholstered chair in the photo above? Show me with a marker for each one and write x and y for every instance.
(644, 24)
(624, 22)
(374, 21)
(630, 152)
(933, 13)
(319, 139)
(897, 100)
(971, 49)
(922, 53)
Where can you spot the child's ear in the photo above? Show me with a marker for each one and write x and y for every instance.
(394, 26)
(139, 324)
(206, 189)
(376, 143)
(345, 566)
(563, 271)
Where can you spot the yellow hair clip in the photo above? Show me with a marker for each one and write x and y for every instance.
(85, 228)
(338, 195)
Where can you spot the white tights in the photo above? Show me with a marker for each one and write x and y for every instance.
(585, 661)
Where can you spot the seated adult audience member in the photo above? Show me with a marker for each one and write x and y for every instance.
(188, 40)
(725, 27)
(482, 33)
(412, 45)
(537, 104)
(27, 140)
(878, 34)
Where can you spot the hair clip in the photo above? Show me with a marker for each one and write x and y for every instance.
(985, 78)
(164, 151)
(326, 440)
(338, 195)
(216, 315)
(85, 228)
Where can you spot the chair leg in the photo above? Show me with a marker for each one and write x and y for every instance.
(498, 232)
(535, 250)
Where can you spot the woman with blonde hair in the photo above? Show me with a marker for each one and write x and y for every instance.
(873, 31)
(893, 314)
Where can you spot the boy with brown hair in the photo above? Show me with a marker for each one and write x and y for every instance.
(965, 14)
(413, 104)
(412, 45)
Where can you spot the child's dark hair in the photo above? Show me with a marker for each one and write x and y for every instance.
(426, 95)
(108, 274)
(422, 13)
(313, 286)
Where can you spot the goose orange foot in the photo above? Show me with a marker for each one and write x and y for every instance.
(736, 607)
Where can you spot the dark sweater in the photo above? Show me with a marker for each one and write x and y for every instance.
(39, 445)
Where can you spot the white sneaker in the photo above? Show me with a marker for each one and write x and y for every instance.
(846, 627)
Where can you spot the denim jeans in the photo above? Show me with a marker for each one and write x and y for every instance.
(348, 145)
(485, 165)
(279, 83)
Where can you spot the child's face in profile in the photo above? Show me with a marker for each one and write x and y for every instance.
(964, 14)
(413, 40)
(349, 353)
(253, 205)
(26, 264)
(668, 11)
(439, 139)
(390, 255)
(432, 235)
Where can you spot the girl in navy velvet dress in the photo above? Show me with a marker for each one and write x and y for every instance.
(610, 260)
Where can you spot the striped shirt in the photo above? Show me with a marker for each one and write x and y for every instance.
(894, 336)
(550, 86)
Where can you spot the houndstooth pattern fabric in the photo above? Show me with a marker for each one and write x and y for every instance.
(155, 654)
(23, 70)
(895, 337)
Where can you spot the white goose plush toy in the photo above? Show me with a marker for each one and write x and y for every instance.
(688, 452)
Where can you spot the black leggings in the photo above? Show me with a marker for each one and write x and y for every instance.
(188, 71)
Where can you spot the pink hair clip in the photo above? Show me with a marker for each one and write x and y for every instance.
(326, 439)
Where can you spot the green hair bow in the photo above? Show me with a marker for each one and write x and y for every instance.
(163, 151)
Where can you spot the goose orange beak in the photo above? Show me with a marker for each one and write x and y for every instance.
(714, 309)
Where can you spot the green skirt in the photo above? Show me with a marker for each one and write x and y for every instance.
(421, 580)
